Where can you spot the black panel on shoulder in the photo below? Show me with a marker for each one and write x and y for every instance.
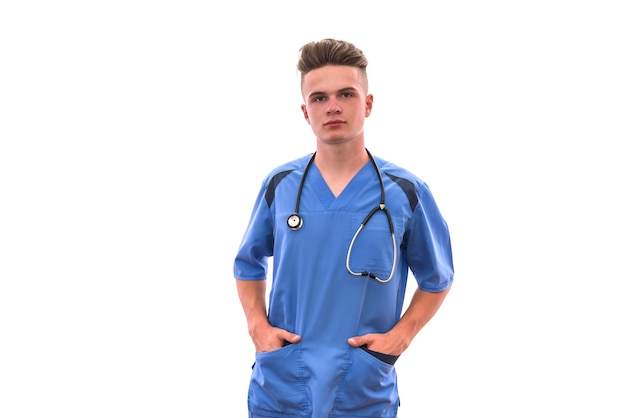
(408, 188)
(271, 187)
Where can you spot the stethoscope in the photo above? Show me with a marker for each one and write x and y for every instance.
(294, 221)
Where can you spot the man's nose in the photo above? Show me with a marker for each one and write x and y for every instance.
(333, 108)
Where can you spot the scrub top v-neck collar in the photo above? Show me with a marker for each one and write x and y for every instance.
(365, 175)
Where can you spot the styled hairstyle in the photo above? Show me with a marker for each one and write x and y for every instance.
(329, 51)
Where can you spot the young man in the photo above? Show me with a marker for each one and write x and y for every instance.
(344, 228)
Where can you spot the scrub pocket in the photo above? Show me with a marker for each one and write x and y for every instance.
(387, 358)
(278, 387)
(368, 389)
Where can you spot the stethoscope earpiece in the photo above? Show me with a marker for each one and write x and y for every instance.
(294, 222)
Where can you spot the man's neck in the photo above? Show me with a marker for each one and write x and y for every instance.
(339, 164)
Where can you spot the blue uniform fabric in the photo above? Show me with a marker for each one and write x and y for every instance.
(314, 295)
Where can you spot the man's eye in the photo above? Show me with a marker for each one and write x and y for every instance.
(318, 99)
(346, 94)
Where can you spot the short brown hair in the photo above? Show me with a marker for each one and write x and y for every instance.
(329, 51)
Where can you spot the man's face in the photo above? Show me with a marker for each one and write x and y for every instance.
(336, 102)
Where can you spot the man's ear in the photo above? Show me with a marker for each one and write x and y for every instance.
(305, 113)
(369, 101)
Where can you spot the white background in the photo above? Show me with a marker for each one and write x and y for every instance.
(134, 137)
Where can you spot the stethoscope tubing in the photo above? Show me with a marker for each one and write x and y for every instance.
(295, 221)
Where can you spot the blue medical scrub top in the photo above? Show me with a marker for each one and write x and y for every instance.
(314, 295)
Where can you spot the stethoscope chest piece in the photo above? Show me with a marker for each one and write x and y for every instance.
(294, 222)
